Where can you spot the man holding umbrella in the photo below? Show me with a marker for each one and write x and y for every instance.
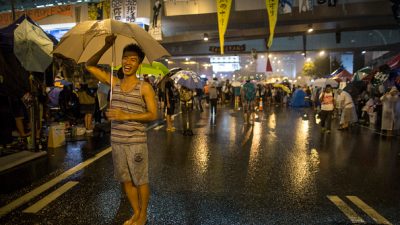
(133, 104)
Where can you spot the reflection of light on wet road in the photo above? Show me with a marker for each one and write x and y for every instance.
(272, 121)
(254, 151)
(303, 165)
(232, 133)
(246, 135)
(201, 154)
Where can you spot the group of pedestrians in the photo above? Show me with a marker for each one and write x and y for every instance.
(385, 109)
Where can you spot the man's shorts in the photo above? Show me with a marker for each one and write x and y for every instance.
(131, 163)
(249, 106)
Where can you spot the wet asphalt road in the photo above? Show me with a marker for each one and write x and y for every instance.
(281, 170)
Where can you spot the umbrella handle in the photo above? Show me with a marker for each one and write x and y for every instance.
(111, 73)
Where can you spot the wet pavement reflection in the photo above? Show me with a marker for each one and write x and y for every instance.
(280, 170)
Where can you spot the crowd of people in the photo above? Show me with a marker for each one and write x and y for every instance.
(379, 111)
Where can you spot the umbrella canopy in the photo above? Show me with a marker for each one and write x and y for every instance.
(236, 84)
(160, 66)
(343, 76)
(153, 68)
(7, 33)
(86, 38)
(284, 88)
(32, 47)
(355, 88)
(394, 62)
(362, 73)
(188, 79)
(322, 82)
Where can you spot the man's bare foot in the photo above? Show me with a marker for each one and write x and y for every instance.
(132, 220)
(141, 221)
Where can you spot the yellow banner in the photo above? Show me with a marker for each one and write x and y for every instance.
(223, 10)
(272, 8)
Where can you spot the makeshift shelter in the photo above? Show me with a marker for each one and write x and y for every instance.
(14, 80)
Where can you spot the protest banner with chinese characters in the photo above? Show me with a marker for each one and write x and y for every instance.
(124, 10)
(223, 11)
(272, 8)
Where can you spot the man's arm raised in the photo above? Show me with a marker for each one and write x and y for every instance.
(91, 64)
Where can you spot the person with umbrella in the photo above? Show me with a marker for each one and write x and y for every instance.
(132, 105)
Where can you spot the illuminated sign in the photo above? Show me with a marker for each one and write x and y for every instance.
(229, 59)
(228, 48)
(225, 67)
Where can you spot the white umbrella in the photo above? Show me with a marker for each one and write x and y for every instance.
(322, 82)
(86, 38)
(32, 47)
(236, 84)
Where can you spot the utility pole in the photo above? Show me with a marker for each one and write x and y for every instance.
(13, 9)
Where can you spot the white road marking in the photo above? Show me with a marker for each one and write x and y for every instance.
(349, 212)
(158, 127)
(368, 210)
(50, 197)
(37, 191)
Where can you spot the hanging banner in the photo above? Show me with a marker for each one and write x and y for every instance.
(95, 11)
(272, 8)
(223, 11)
(37, 14)
(124, 10)
(99, 11)
(130, 10)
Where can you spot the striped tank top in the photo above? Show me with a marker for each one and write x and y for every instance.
(128, 132)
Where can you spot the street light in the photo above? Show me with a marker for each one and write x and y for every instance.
(205, 37)
(310, 29)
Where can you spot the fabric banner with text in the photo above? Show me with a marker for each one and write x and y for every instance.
(272, 8)
(37, 14)
(223, 11)
(99, 11)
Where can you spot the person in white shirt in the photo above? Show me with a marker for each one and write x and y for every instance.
(348, 109)
(327, 106)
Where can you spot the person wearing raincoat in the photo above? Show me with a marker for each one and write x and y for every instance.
(389, 101)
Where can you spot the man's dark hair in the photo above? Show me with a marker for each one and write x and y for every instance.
(135, 48)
